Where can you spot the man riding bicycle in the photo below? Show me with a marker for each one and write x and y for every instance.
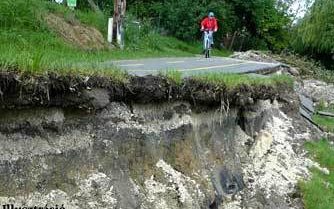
(209, 25)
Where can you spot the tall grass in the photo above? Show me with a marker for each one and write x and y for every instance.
(19, 14)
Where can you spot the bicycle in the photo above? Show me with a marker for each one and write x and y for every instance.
(208, 37)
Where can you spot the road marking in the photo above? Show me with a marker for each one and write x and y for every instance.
(175, 62)
(144, 59)
(191, 69)
(131, 65)
(211, 67)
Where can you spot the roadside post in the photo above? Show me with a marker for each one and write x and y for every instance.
(110, 29)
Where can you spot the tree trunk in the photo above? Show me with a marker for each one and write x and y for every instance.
(119, 12)
(124, 7)
(115, 17)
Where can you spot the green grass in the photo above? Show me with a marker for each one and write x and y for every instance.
(234, 80)
(325, 122)
(318, 192)
(173, 76)
(331, 110)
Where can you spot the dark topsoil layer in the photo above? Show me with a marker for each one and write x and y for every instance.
(92, 92)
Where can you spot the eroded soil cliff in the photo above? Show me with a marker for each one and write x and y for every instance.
(149, 144)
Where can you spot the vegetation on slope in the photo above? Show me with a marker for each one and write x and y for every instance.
(318, 192)
(327, 123)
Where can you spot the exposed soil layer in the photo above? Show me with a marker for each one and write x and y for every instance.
(95, 92)
(153, 156)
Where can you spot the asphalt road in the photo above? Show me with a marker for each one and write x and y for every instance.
(192, 66)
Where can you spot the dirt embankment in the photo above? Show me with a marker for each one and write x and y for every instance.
(75, 33)
(95, 92)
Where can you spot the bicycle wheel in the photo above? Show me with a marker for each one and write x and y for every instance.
(207, 49)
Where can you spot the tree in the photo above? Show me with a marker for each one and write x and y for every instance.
(315, 32)
(264, 21)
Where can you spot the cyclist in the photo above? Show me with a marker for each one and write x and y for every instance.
(209, 25)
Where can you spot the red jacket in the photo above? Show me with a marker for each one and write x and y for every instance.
(209, 24)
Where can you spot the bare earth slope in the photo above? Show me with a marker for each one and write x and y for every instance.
(75, 33)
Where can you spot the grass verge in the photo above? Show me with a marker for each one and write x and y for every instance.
(173, 76)
(318, 192)
(234, 80)
(231, 81)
